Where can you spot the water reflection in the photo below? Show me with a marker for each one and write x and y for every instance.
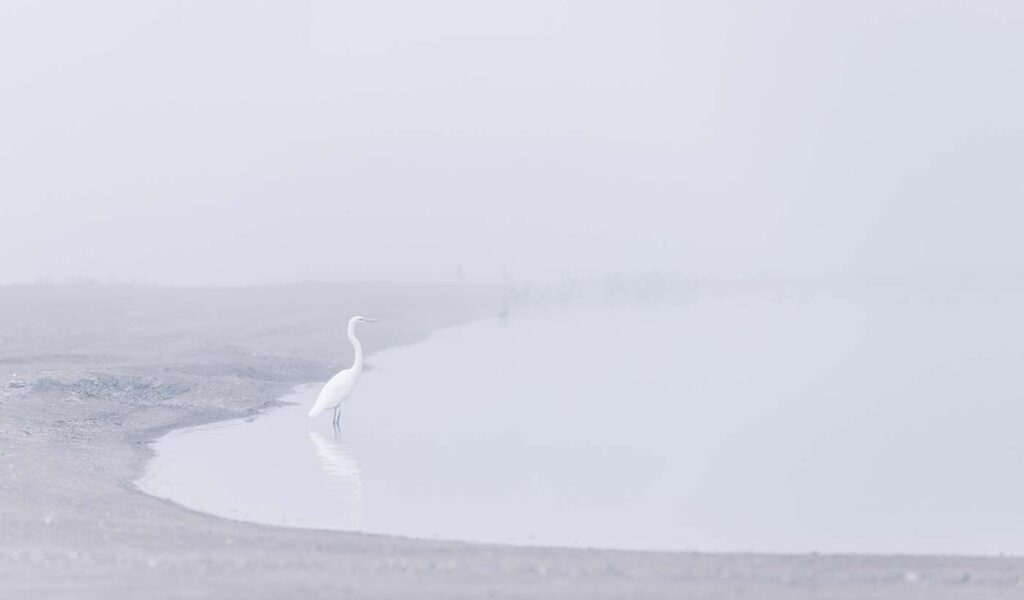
(754, 423)
(346, 483)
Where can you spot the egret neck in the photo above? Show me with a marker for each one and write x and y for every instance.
(357, 362)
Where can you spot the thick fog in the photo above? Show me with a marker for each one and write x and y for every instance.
(229, 142)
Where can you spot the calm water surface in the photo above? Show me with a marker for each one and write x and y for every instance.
(857, 423)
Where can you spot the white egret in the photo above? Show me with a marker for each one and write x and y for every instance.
(339, 387)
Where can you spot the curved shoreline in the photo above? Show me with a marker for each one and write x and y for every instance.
(93, 372)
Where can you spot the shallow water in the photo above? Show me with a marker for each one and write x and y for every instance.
(837, 423)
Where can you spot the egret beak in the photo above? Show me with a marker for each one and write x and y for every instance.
(371, 320)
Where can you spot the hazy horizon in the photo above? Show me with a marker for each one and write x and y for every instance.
(242, 143)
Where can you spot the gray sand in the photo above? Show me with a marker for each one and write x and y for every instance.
(90, 373)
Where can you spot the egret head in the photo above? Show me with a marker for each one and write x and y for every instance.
(359, 319)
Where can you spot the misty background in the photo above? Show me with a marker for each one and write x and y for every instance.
(234, 142)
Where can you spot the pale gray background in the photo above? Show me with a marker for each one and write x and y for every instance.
(241, 141)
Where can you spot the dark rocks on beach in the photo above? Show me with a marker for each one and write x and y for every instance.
(110, 387)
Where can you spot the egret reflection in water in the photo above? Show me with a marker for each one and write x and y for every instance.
(342, 469)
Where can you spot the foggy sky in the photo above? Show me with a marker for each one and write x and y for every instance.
(196, 142)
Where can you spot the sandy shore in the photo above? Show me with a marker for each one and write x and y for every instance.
(89, 374)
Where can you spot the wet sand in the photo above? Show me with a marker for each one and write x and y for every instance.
(89, 374)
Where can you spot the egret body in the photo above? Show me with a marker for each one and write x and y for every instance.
(337, 390)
